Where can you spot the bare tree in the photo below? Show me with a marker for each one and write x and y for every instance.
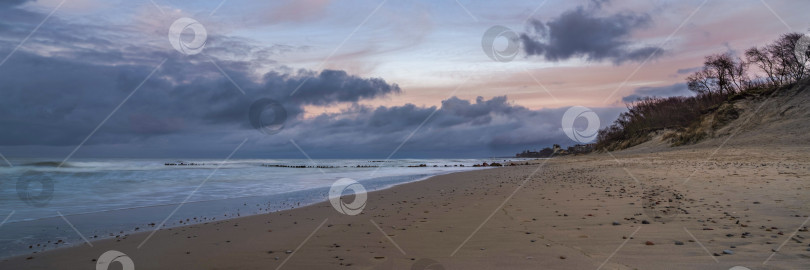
(721, 73)
(780, 61)
(702, 82)
(786, 46)
(766, 63)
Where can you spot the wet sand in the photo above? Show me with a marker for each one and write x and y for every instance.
(674, 209)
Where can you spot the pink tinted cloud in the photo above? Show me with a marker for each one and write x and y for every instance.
(296, 11)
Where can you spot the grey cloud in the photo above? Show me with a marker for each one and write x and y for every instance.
(188, 109)
(12, 3)
(483, 127)
(683, 71)
(72, 89)
(44, 94)
(318, 89)
(51, 101)
(678, 89)
(599, 3)
(582, 32)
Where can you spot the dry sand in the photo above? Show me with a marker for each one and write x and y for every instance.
(555, 214)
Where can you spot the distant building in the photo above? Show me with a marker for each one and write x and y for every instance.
(545, 153)
(581, 148)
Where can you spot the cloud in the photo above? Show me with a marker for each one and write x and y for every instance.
(12, 3)
(296, 11)
(73, 94)
(189, 109)
(599, 3)
(457, 128)
(678, 89)
(62, 84)
(582, 32)
(683, 71)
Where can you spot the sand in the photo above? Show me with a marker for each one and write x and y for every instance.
(583, 212)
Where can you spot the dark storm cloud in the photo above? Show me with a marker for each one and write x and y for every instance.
(188, 108)
(457, 128)
(599, 3)
(683, 71)
(318, 89)
(11, 3)
(678, 89)
(584, 32)
(45, 94)
(52, 99)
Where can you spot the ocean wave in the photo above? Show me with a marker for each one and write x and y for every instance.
(49, 164)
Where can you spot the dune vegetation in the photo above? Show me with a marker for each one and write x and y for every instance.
(723, 80)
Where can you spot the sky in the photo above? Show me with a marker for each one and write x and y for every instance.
(346, 79)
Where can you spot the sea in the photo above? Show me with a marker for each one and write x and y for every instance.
(45, 204)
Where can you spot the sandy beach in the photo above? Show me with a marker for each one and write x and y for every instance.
(676, 209)
(328, 134)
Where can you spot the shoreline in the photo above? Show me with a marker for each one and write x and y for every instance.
(575, 212)
(228, 216)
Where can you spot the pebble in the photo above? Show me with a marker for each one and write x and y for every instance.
(616, 223)
(678, 243)
(728, 251)
(649, 243)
